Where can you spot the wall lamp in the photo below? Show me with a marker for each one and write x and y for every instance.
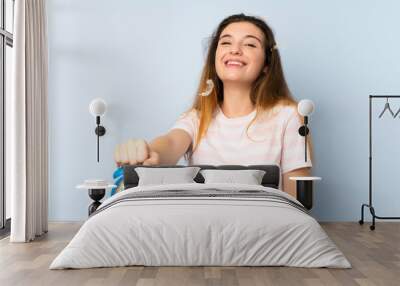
(97, 108)
(305, 108)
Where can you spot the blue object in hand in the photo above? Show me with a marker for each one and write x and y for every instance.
(118, 177)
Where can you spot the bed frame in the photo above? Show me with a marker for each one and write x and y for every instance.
(270, 179)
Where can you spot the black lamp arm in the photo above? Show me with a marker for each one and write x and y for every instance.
(303, 131)
(100, 131)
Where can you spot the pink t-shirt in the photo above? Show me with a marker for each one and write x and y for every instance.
(273, 139)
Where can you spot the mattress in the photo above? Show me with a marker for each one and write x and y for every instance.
(201, 225)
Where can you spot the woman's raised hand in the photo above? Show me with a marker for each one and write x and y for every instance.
(135, 152)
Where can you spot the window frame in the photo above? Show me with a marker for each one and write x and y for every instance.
(6, 39)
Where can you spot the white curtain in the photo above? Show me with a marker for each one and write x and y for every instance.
(27, 123)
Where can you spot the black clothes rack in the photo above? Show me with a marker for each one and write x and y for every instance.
(369, 205)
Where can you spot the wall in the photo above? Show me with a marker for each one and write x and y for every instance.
(145, 57)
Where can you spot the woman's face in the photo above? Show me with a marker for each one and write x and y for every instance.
(240, 53)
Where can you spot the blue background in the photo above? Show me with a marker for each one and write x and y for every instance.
(145, 57)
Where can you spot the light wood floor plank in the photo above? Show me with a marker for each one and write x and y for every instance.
(374, 255)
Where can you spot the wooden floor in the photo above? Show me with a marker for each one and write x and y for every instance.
(374, 255)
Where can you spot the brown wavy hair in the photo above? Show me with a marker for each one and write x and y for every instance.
(269, 90)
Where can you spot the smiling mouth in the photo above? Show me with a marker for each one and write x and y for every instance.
(232, 63)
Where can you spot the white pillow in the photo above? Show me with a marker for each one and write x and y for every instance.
(249, 177)
(163, 176)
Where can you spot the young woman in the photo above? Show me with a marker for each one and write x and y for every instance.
(247, 117)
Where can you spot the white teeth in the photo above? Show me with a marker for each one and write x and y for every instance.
(235, 63)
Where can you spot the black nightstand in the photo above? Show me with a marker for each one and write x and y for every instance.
(304, 190)
(96, 193)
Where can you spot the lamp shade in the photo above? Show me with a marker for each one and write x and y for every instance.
(97, 107)
(305, 107)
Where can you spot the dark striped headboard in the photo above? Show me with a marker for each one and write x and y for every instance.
(270, 179)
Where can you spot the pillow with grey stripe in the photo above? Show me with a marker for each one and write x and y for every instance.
(248, 177)
(163, 176)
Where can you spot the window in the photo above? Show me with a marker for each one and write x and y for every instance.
(6, 44)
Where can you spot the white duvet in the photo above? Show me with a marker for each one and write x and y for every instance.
(200, 231)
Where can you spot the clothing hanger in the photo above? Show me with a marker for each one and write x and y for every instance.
(398, 111)
(387, 107)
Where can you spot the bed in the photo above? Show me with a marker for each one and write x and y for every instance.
(201, 224)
